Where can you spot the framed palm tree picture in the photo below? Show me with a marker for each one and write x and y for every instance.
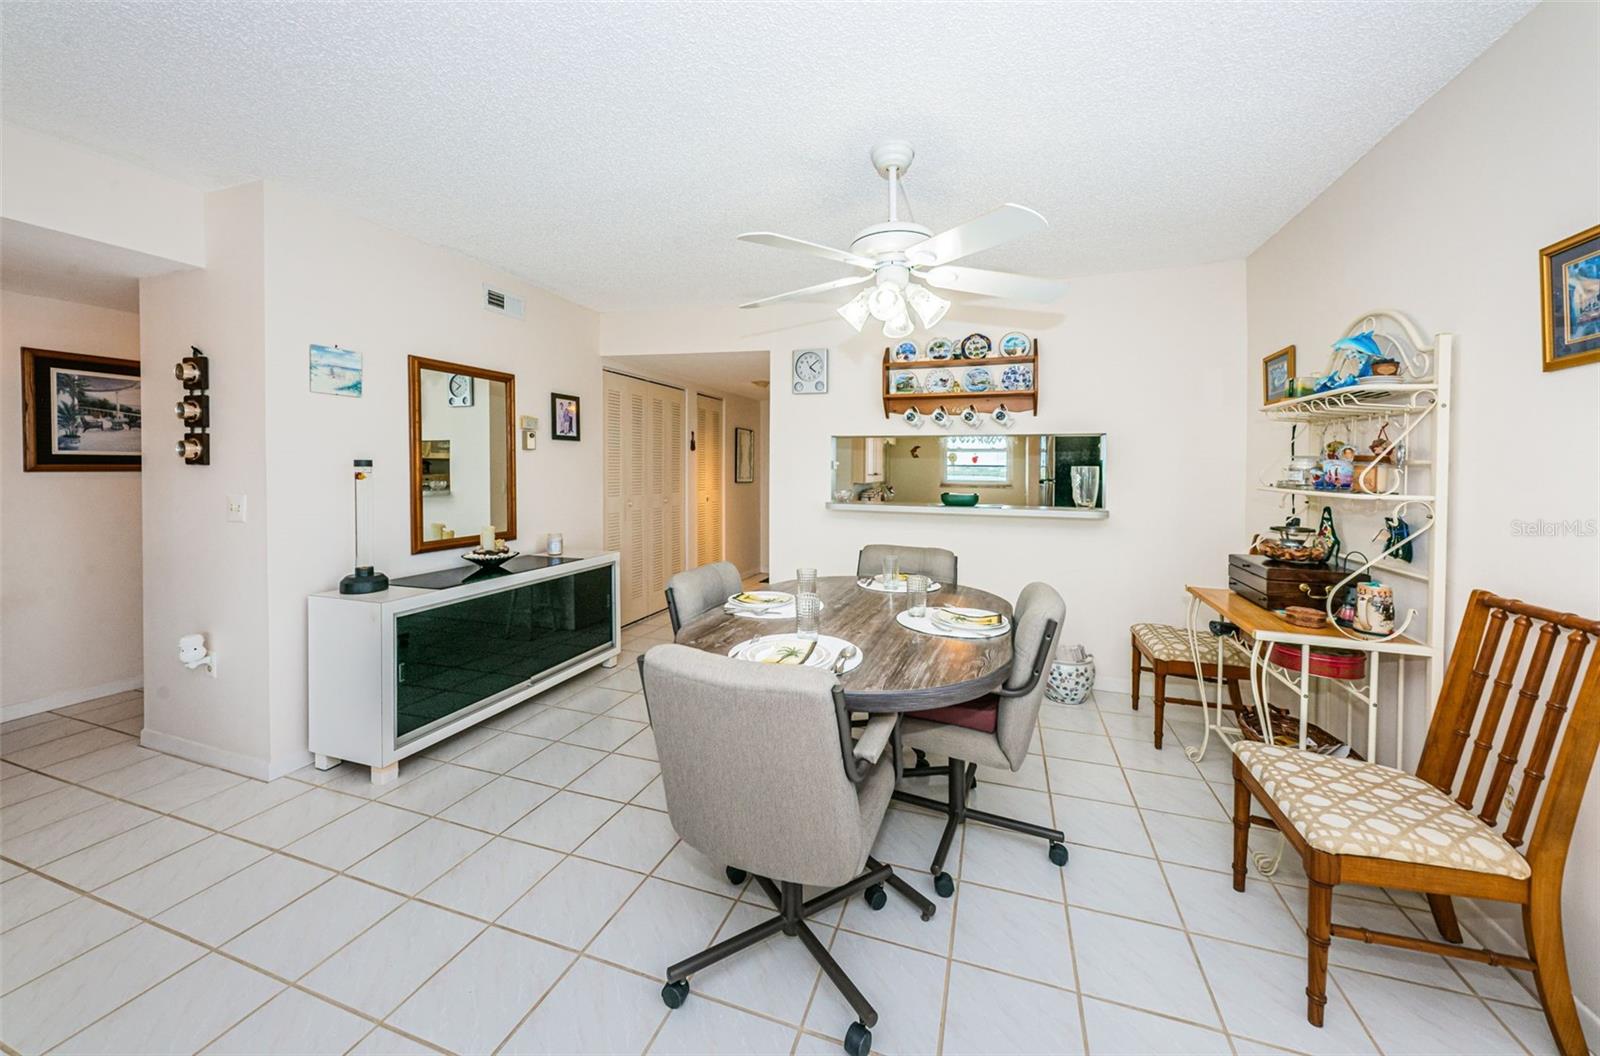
(79, 412)
(1569, 279)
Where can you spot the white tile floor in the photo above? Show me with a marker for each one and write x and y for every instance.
(520, 890)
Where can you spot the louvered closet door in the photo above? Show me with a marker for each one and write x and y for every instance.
(708, 480)
(644, 489)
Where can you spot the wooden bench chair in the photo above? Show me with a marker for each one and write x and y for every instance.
(1165, 649)
(1360, 823)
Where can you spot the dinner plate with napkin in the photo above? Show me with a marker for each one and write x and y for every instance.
(788, 650)
(950, 621)
(897, 585)
(762, 605)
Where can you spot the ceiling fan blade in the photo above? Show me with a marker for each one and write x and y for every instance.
(853, 280)
(993, 228)
(993, 283)
(772, 238)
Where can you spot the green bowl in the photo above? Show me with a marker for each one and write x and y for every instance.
(950, 499)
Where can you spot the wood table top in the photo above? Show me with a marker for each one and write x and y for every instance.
(1269, 626)
(901, 670)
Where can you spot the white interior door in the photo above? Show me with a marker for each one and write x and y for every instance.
(708, 480)
(643, 489)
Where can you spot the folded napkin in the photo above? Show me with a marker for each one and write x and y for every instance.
(791, 653)
(754, 599)
(978, 618)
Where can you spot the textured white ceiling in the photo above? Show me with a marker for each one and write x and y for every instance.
(610, 152)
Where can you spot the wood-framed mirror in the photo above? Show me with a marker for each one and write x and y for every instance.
(463, 454)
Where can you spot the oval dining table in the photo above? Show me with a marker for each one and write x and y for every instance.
(901, 670)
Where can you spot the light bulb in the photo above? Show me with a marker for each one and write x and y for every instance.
(855, 310)
(886, 302)
(898, 326)
(929, 306)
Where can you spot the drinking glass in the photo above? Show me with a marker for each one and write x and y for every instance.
(807, 608)
(891, 570)
(805, 581)
(1085, 486)
(917, 594)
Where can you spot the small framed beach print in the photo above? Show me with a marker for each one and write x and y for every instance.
(335, 371)
(564, 423)
(1569, 280)
(1277, 371)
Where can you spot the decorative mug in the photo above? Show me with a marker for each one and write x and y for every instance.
(912, 417)
(1364, 606)
(941, 418)
(1380, 610)
(1001, 416)
(971, 417)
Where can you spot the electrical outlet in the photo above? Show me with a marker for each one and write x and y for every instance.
(236, 509)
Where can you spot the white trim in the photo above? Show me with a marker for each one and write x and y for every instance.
(68, 697)
(1058, 512)
(195, 752)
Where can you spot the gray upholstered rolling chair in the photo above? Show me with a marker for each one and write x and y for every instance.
(938, 565)
(994, 730)
(698, 590)
(806, 815)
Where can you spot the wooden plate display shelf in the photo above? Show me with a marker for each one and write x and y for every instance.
(956, 401)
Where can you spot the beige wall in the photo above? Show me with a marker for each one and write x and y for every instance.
(741, 503)
(1444, 219)
(1151, 358)
(70, 568)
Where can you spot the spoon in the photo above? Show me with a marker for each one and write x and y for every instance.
(845, 656)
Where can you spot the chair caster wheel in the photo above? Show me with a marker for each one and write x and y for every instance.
(1058, 853)
(875, 897)
(673, 995)
(928, 913)
(920, 756)
(858, 1040)
(944, 885)
(736, 876)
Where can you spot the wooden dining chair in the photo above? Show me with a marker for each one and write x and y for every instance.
(1360, 823)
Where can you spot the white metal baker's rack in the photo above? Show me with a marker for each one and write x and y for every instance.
(1416, 403)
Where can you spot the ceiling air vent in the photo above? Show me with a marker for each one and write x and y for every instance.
(502, 303)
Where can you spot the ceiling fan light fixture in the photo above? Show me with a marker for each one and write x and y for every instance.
(899, 326)
(855, 310)
(886, 302)
(929, 306)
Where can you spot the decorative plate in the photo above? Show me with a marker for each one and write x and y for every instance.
(1015, 343)
(905, 350)
(906, 381)
(977, 380)
(975, 346)
(940, 380)
(1017, 376)
(941, 348)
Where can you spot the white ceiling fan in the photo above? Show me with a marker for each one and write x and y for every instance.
(894, 253)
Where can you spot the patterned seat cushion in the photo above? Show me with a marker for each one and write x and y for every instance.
(1170, 644)
(1345, 806)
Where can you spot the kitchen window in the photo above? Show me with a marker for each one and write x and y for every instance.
(984, 461)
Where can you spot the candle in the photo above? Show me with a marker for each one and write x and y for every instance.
(486, 538)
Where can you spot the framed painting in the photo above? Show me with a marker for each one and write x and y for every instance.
(564, 421)
(744, 456)
(1277, 372)
(1569, 282)
(79, 412)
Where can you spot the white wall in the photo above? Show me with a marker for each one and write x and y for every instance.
(331, 278)
(203, 574)
(1444, 220)
(1151, 359)
(70, 626)
(53, 184)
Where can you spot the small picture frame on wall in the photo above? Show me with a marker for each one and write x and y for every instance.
(564, 420)
(79, 412)
(1569, 283)
(744, 456)
(1277, 374)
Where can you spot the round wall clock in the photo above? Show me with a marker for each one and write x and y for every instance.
(809, 370)
(460, 390)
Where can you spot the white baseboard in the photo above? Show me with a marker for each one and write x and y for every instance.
(1477, 919)
(195, 752)
(68, 697)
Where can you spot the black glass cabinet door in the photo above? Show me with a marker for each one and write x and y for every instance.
(456, 656)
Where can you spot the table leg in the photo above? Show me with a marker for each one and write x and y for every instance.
(1303, 687)
(1193, 752)
(1372, 708)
